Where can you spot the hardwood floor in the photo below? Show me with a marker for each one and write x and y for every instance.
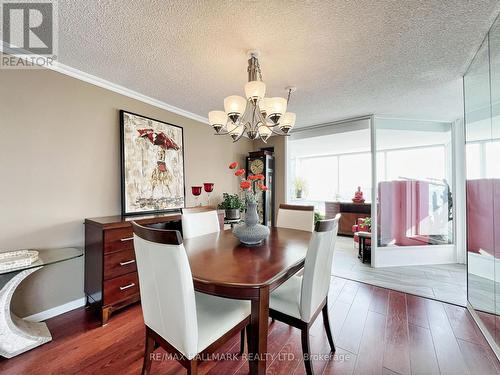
(376, 331)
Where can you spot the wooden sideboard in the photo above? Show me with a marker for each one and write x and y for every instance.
(350, 213)
(111, 280)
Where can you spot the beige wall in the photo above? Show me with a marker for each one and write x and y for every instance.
(279, 144)
(59, 163)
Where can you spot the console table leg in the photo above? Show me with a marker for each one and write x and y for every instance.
(18, 335)
(105, 314)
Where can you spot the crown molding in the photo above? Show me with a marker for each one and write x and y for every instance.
(97, 81)
(108, 85)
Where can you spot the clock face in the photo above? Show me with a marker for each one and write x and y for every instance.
(256, 166)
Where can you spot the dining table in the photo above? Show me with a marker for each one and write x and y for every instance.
(224, 267)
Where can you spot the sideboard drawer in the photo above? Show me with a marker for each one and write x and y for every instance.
(120, 288)
(118, 239)
(119, 263)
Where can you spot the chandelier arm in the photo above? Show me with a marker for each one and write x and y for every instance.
(277, 133)
(262, 119)
(242, 133)
(289, 96)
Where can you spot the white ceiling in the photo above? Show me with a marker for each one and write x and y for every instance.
(348, 58)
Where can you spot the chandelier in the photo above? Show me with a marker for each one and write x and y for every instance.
(256, 116)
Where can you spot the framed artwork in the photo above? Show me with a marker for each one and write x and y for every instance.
(152, 161)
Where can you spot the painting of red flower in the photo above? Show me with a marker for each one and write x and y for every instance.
(152, 164)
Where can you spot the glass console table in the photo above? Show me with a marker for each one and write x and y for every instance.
(18, 335)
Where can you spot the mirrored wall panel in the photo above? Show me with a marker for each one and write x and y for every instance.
(414, 183)
(482, 126)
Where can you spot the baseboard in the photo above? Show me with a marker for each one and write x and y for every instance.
(484, 265)
(58, 310)
(413, 255)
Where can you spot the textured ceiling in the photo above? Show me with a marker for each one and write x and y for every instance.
(348, 58)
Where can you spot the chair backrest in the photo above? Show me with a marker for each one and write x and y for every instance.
(199, 223)
(318, 267)
(166, 287)
(296, 217)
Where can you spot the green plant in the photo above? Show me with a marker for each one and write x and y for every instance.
(231, 201)
(300, 184)
(318, 216)
(367, 221)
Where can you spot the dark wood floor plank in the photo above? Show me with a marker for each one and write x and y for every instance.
(371, 352)
(417, 311)
(448, 353)
(479, 360)
(342, 364)
(422, 354)
(380, 300)
(81, 346)
(352, 330)
(320, 348)
(396, 354)
(463, 325)
(289, 357)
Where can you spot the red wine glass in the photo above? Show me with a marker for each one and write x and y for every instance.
(208, 187)
(196, 190)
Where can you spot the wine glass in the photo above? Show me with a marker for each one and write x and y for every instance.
(196, 190)
(209, 187)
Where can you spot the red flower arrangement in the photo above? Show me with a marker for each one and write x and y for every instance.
(250, 185)
(245, 185)
(262, 187)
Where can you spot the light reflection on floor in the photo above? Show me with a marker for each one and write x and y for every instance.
(444, 282)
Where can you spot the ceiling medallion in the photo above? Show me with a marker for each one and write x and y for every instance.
(256, 116)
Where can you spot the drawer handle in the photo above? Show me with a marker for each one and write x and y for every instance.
(127, 262)
(127, 286)
(126, 239)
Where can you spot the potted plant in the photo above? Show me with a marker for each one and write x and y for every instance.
(250, 233)
(232, 204)
(318, 216)
(366, 224)
(299, 187)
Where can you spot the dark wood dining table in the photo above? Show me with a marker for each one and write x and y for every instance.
(223, 267)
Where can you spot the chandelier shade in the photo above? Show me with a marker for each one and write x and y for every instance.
(287, 121)
(255, 90)
(265, 132)
(235, 105)
(217, 118)
(254, 116)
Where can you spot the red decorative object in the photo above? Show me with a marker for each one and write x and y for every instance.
(233, 165)
(358, 196)
(239, 172)
(196, 190)
(208, 186)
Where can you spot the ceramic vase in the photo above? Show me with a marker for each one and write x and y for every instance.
(251, 233)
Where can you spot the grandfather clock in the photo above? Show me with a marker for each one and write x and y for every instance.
(262, 162)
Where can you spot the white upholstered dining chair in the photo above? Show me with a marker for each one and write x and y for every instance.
(185, 323)
(199, 223)
(300, 299)
(296, 217)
